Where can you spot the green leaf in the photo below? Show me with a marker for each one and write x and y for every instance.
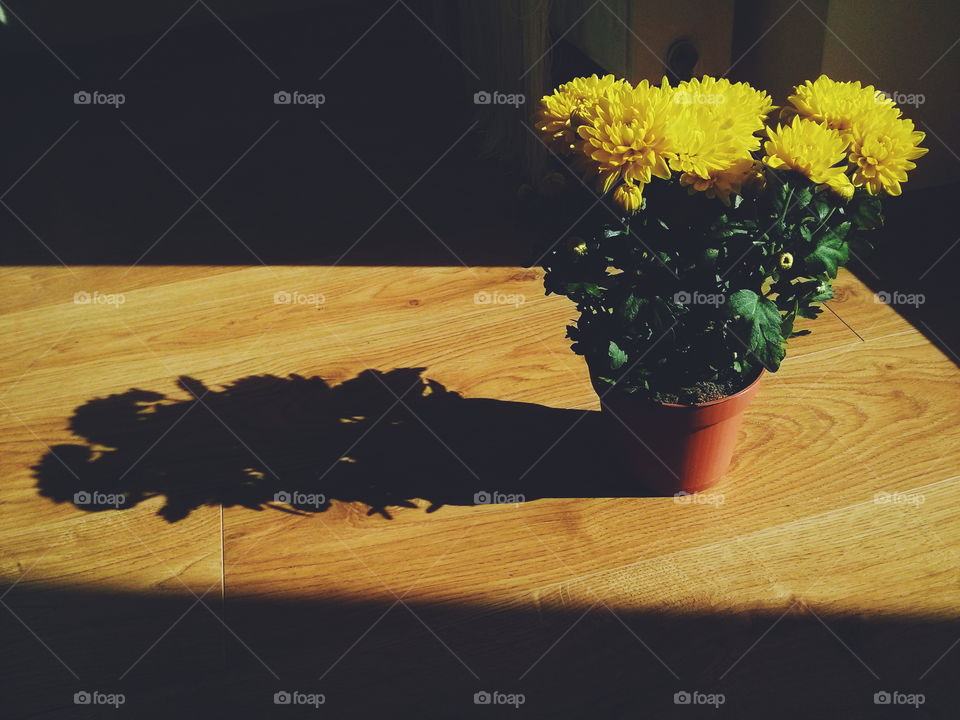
(761, 326)
(802, 195)
(631, 307)
(617, 356)
(867, 213)
(786, 325)
(780, 196)
(831, 252)
(813, 291)
(730, 231)
(574, 288)
(3, 15)
(821, 206)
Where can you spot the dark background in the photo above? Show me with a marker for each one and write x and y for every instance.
(283, 184)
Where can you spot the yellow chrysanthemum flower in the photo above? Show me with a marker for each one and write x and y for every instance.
(809, 148)
(838, 105)
(700, 145)
(882, 151)
(628, 137)
(714, 133)
(882, 145)
(737, 110)
(570, 104)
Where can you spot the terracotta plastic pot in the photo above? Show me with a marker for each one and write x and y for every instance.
(675, 448)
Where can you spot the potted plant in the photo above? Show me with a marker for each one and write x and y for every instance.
(713, 228)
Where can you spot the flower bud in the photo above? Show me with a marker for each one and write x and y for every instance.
(628, 196)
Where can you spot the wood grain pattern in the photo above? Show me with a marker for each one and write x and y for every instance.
(862, 406)
(577, 535)
(861, 308)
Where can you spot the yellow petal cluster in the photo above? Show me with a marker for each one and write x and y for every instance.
(882, 151)
(838, 105)
(714, 132)
(628, 136)
(708, 133)
(737, 109)
(811, 149)
(569, 105)
(882, 144)
(622, 134)
(629, 196)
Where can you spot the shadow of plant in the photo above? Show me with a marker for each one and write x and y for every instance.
(295, 444)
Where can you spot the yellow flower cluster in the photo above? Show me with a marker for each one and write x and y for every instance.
(879, 145)
(704, 130)
(810, 149)
(707, 132)
(571, 104)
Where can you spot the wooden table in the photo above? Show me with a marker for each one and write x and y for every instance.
(822, 570)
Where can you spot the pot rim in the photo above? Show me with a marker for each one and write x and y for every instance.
(708, 403)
